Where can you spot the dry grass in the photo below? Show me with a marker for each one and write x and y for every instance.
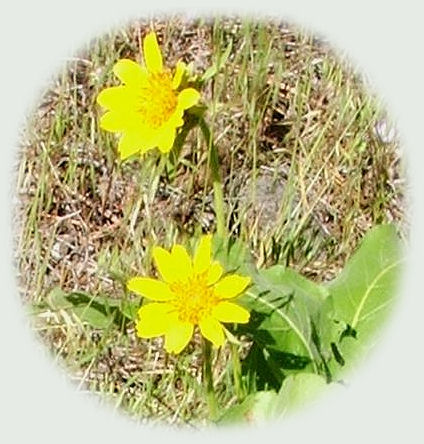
(306, 175)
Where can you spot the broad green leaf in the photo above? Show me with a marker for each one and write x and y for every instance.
(256, 408)
(264, 368)
(366, 286)
(297, 391)
(280, 278)
(362, 296)
(284, 308)
(99, 312)
(287, 302)
(93, 316)
(57, 299)
(95, 311)
(329, 329)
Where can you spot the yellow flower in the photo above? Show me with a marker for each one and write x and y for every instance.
(192, 292)
(147, 108)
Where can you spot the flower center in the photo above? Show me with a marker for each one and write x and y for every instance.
(194, 298)
(157, 99)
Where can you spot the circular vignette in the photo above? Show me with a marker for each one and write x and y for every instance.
(309, 162)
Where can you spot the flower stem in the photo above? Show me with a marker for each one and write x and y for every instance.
(174, 154)
(238, 383)
(216, 178)
(157, 173)
(208, 380)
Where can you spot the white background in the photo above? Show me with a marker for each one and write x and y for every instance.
(384, 402)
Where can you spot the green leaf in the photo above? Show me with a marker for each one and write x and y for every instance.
(99, 312)
(297, 390)
(288, 303)
(95, 311)
(284, 308)
(93, 316)
(366, 286)
(256, 408)
(233, 254)
(213, 70)
(260, 370)
(282, 279)
(223, 59)
(362, 296)
(264, 368)
(57, 299)
(209, 73)
(130, 308)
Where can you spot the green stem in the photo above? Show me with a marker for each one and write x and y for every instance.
(174, 154)
(237, 372)
(216, 178)
(208, 380)
(157, 173)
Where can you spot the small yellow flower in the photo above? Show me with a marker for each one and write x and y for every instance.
(192, 292)
(147, 108)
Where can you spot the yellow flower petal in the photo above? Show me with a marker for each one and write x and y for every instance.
(112, 121)
(128, 145)
(179, 72)
(118, 98)
(176, 119)
(211, 329)
(165, 264)
(178, 336)
(165, 139)
(229, 312)
(202, 257)
(187, 98)
(214, 273)
(150, 288)
(154, 319)
(115, 121)
(130, 72)
(181, 262)
(132, 142)
(152, 54)
(231, 286)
